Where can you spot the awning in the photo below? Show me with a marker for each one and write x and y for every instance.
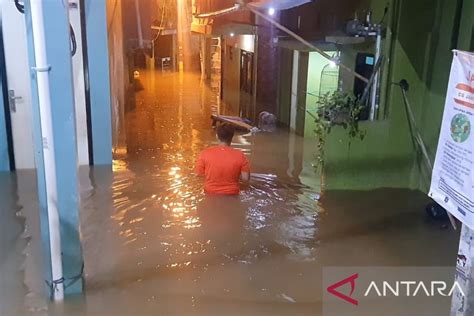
(278, 4)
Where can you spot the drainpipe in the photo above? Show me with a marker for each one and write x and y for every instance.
(42, 73)
(255, 75)
(214, 14)
(139, 24)
(376, 87)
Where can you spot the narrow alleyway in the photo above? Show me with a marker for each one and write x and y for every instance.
(166, 249)
(155, 245)
(181, 252)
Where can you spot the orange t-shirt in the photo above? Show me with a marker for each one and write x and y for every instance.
(222, 166)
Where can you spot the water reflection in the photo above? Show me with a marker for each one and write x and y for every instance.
(160, 231)
(154, 244)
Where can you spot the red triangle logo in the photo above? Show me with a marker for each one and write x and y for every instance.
(332, 289)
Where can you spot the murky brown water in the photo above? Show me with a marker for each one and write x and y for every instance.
(156, 245)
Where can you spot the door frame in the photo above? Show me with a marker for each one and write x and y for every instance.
(6, 100)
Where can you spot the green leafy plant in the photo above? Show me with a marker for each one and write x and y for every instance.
(336, 109)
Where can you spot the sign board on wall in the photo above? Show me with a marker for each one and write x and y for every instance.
(452, 184)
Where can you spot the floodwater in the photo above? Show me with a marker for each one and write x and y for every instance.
(154, 244)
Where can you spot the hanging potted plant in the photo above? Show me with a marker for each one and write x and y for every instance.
(336, 109)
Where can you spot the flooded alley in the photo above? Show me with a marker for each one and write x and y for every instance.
(236, 158)
(154, 244)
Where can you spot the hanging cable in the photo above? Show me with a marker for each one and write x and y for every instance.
(384, 15)
(73, 41)
(21, 8)
(416, 135)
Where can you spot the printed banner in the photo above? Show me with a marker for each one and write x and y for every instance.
(452, 183)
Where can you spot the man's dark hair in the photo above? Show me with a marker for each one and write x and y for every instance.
(225, 133)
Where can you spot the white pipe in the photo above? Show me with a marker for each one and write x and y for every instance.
(48, 145)
(214, 14)
(139, 24)
(376, 86)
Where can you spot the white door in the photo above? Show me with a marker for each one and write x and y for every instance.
(18, 78)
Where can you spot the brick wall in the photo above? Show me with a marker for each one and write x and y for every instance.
(267, 69)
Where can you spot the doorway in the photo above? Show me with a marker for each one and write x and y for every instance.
(16, 84)
(246, 83)
(17, 75)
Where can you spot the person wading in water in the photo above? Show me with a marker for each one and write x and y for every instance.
(223, 166)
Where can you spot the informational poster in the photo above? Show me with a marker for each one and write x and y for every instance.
(452, 184)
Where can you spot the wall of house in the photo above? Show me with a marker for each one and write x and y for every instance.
(267, 69)
(231, 78)
(284, 86)
(316, 64)
(418, 47)
(233, 45)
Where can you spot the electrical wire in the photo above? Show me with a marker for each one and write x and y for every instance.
(20, 7)
(73, 41)
(384, 15)
(163, 13)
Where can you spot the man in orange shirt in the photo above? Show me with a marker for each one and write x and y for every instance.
(222, 166)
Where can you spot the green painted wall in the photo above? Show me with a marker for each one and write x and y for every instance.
(418, 47)
(316, 64)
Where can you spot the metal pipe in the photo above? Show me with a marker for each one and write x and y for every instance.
(369, 86)
(139, 24)
(375, 88)
(419, 140)
(42, 75)
(234, 8)
(254, 113)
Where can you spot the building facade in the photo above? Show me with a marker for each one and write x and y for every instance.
(289, 77)
(417, 47)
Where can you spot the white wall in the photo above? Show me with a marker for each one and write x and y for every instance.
(245, 42)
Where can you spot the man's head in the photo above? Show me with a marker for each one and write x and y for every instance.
(225, 133)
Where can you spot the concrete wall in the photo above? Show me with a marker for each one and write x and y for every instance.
(316, 64)
(267, 69)
(284, 86)
(418, 46)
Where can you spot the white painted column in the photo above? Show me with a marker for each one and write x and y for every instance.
(294, 90)
(48, 146)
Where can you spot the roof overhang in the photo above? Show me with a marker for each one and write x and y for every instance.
(278, 4)
(293, 44)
